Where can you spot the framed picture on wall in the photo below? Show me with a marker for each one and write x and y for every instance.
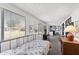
(77, 25)
(58, 28)
(50, 28)
(30, 28)
(63, 29)
(68, 22)
(35, 28)
(72, 23)
(39, 27)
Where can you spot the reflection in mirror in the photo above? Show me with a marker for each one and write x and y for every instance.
(14, 25)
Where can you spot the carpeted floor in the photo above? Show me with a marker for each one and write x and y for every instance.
(56, 47)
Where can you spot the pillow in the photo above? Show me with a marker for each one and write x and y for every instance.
(35, 51)
(21, 41)
(13, 44)
(25, 39)
(8, 52)
(5, 46)
(18, 50)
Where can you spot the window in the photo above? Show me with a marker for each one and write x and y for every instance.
(14, 25)
(41, 28)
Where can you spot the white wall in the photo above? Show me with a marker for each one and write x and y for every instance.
(75, 15)
(75, 18)
(0, 24)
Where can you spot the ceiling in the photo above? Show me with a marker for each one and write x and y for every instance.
(52, 13)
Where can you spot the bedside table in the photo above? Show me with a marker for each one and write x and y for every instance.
(69, 47)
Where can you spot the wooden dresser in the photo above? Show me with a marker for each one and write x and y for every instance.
(69, 47)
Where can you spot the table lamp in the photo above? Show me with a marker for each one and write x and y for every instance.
(70, 29)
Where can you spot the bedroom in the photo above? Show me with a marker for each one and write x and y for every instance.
(22, 29)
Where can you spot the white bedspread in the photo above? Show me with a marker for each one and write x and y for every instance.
(35, 47)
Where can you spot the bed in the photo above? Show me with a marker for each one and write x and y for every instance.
(35, 47)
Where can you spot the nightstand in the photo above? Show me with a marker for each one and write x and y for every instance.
(69, 47)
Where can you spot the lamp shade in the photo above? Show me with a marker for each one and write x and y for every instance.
(70, 29)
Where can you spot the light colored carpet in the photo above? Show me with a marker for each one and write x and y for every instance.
(56, 47)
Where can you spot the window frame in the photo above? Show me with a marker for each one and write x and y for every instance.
(2, 24)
